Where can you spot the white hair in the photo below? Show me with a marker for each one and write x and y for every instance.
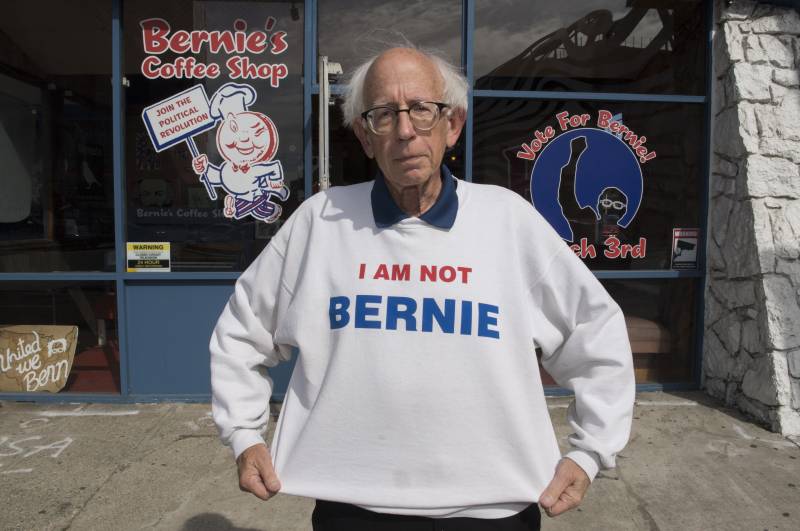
(455, 86)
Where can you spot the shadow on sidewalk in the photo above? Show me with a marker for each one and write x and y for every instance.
(212, 522)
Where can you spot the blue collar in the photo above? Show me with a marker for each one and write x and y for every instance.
(442, 214)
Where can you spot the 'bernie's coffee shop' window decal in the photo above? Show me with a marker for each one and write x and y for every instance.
(589, 167)
(246, 140)
(36, 358)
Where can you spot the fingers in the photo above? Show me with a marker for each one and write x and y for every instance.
(566, 490)
(200, 163)
(256, 473)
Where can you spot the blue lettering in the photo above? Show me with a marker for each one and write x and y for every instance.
(487, 316)
(338, 312)
(446, 320)
(393, 313)
(362, 311)
(466, 318)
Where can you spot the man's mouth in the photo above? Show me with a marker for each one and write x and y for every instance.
(245, 151)
(410, 158)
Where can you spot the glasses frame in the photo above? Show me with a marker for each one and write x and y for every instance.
(439, 108)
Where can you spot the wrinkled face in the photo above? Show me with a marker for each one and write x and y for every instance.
(153, 192)
(407, 157)
(247, 138)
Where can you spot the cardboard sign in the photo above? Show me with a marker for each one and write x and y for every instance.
(148, 256)
(36, 358)
(684, 248)
(178, 118)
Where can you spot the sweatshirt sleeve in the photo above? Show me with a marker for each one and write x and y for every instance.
(242, 347)
(585, 348)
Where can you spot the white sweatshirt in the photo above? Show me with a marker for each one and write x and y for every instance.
(417, 390)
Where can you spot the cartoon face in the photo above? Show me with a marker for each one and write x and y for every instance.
(247, 138)
(612, 204)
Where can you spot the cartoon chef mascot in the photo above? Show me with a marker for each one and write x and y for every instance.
(247, 141)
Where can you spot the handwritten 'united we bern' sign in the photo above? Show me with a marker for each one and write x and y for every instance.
(36, 358)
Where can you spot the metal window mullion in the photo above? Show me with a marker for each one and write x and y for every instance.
(589, 96)
(468, 46)
(309, 66)
(118, 139)
(616, 274)
(704, 195)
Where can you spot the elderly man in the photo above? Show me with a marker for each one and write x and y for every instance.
(417, 302)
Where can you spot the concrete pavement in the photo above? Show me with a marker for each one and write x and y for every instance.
(691, 465)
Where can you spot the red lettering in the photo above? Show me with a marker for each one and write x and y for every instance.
(563, 119)
(256, 42)
(362, 268)
(603, 118)
(154, 35)
(212, 71)
(447, 273)
(198, 38)
(401, 272)
(647, 157)
(179, 42)
(584, 249)
(241, 38)
(465, 271)
(427, 273)
(278, 41)
(639, 250)
(527, 153)
(382, 273)
(220, 40)
(279, 72)
(612, 247)
(150, 67)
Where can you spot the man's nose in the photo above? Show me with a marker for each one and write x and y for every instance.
(405, 129)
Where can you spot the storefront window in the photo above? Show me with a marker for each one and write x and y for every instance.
(349, 165)
(616, 180)
(214, 127)
(660, 317)
(58, 337)
(352, 31)
(56, 209)
(608, 46)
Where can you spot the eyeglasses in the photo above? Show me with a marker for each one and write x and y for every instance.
(423, 115)
(608, 203)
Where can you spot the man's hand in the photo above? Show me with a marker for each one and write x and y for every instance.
(566, 490)
(256, 473)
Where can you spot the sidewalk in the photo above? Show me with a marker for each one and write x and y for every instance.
(691, 465)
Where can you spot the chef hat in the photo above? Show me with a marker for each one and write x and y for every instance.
(231, 98)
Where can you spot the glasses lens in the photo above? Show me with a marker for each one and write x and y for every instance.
(381, 120)
(423, 115)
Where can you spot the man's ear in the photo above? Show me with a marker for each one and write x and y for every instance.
(363, 137)
(455, 123)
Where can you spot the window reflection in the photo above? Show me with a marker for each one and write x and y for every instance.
(91, 307)
(351, 31)
(56, 209)
(593, 187)
(598, 45)
(216, 226)
(347, 162)
(660, 318)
